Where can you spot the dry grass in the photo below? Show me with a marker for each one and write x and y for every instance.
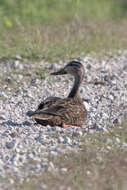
(100, 165)
(68, 41)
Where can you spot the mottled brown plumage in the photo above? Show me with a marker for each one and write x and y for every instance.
(48, 102)
(71, 110)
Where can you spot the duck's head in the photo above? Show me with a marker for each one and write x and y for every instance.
(74, 68)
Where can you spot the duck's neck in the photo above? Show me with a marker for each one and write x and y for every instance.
(75, 89)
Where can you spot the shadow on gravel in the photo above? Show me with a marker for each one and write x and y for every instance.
(13, 124)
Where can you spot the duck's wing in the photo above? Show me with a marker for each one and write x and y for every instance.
(49, 116)
(54, 110)
(49, 111)
(48, 102)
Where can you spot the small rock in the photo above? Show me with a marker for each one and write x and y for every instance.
(111, 97)
(115, 121)
(33, 81)
(60, 140)
(59, 78)
(17, 65)
(43, 186)
(67, 140)
(106, 78)
(116, 140)
(124, 144)
(39, 138)
(2, 117)
(11, 181)
(53, 153)
(63, 169)
(20, 77)
(10, 144)
(88, 172)
(31, 156)
(62, 187)
(29, 113)
(77, 133)
(2, 94)
(107, 140)
(13, 135)
(109, 147)
(18, 57)
(52, 67)
(81, 90)
(105, 115)
(53, 128)
(69, 188)
(51, 166)
(88, 66)
(8, 80)
(27, 123)
(87, 105)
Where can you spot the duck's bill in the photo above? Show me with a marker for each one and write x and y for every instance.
(60, 72)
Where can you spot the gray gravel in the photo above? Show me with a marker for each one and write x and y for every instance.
(24, 145)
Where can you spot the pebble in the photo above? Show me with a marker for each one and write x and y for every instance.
(51, 166)
(43, 186)
(116, 140)
(60, 140)
(52, 67)
(63, 170)
(10, 144)
(2, 117)
(115, 121)
(17, 65)
(2, 94)
(124, 144)
(67, 140)
(107, 140)
(87, 105)
(77, 133)
(18, 57)
(13, 134)
(11, 181)
(20, 77)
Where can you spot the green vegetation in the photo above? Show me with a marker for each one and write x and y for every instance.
(42, 12)
(101, 164)
(61, 29)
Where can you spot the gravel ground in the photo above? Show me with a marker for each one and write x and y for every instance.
(25, 146)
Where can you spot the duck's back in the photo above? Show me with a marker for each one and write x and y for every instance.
(48, 102)
(70, 111)
(73, 112)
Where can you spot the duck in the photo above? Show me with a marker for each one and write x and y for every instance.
(64, 112)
